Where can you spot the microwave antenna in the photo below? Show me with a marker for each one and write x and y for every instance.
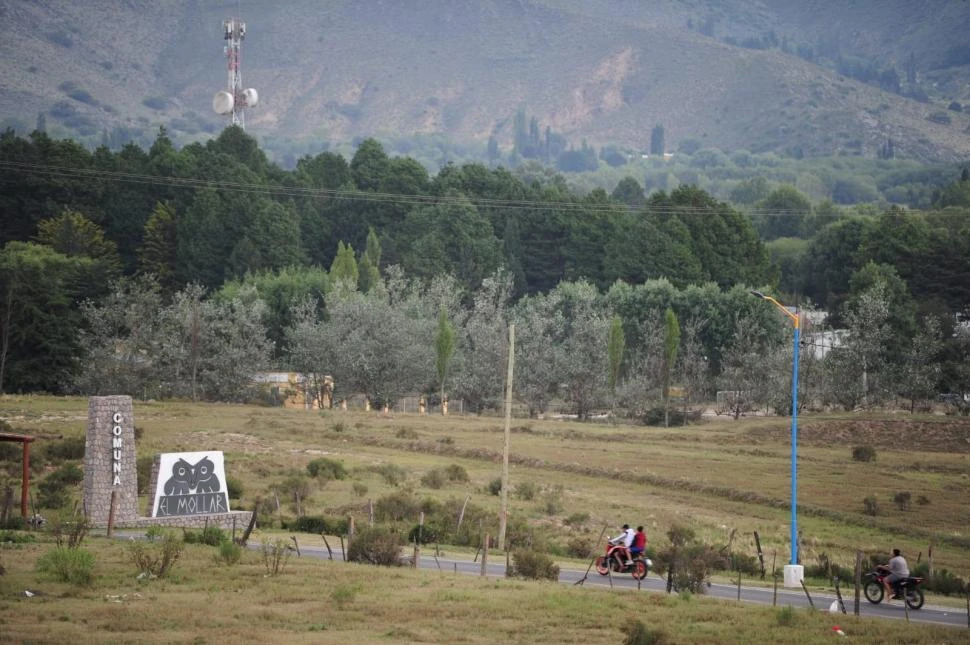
(234, 100)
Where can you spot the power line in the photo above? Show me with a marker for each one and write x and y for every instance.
(376, 197)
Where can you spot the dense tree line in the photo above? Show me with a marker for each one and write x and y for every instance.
(181, 272)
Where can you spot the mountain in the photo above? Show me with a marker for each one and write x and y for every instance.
(777, 75)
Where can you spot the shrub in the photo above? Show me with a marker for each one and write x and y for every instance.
(534, 565)
(64, 449)
(143, 472)
(552, 500)
(16, 537)
(56, 487)
(923, 500)
(68, 565)
(210, 535)
(359, 489)
(902, 499)
(234, 487)
(276, 554)
(871, 506)
(785, 616)
(320, 525)
(456, 473)
(691, 561)
(229, 552)
(406, 433)
(325, 468)
(579, 547)
(376, 545)
(397, 506)
(864, 453)
(155, 560)
(495, 486)
(577, 519)
(392, 474)
(525, 490)
(636, 633)
(942, 581)
(434, 478)
(427, 534)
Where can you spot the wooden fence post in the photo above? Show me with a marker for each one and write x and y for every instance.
(858, 580)
(485, 554)
(111, 512)
(417, 542)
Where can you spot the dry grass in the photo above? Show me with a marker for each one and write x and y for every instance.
(318, 601)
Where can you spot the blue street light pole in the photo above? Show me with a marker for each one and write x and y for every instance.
(793, 572)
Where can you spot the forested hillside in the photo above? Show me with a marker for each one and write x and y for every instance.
(806, 78)
(183, 271)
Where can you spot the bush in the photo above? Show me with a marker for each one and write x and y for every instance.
(434, 478)
(902, 500)
(456, 473)
(864, 453)
(579, 547)
(324, 468)
(534, 565)
(143, 472)
(359, 489)
(942, 581)
(65, 449)
(495, 486)
(210, 535)
(234, 488)
(397, 506)
(638, 634)
(552, 500)
(427, 534)
(276, 554)
(691, 561)
(871, 506)
(229, 552)
(376, 545)
(577, 519)
(320, 525)
(392, 474)
(16, 537)
(68, 565)
(406, 433)
(56, 487)
(525, 490)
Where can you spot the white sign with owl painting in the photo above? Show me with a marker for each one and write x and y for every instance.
(191, 483)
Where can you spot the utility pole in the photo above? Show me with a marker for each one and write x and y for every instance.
(504, 513)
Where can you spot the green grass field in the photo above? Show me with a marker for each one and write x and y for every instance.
(719, 478)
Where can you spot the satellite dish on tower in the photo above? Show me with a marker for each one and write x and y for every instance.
(251, 97)
(234, 99)
(223, 102)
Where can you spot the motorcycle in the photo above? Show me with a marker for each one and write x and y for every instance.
(875, 588)
(615, 560)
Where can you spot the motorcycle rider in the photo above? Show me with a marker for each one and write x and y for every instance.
(623, 542)
(898, 570)
(639, 543)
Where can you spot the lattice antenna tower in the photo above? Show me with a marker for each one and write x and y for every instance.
(234, 100)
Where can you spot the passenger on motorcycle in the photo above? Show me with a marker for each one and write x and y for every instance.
(898, 570)
(639, 543)
(624, 540)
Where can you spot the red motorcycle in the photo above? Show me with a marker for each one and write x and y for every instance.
(908, 588)
(615, 560)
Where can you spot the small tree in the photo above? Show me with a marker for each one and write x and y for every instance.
(445, 348)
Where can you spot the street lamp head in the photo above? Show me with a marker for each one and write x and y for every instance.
(758, 294)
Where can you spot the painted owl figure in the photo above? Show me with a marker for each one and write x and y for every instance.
(205, 476)
(182, 480)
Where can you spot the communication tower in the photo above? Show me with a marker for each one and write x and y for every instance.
(234, 100)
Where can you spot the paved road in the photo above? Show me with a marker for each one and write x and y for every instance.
(754, 595)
